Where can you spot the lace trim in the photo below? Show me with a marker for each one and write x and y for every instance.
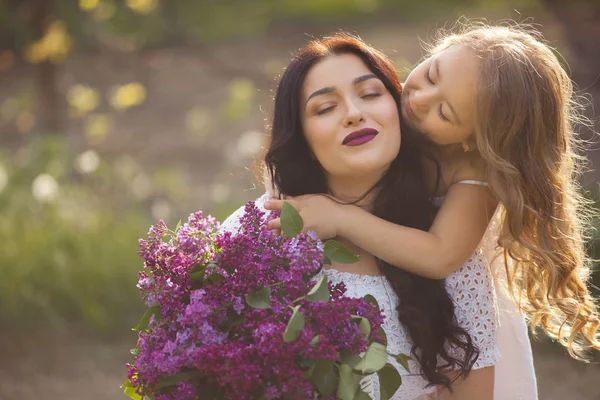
(476, 308)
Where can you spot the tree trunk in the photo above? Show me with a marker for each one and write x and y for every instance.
(50, 99)
(580, 21)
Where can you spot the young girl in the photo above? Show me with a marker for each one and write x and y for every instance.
(501, 108)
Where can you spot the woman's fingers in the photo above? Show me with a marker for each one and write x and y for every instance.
(274, 224)
(276, 205)
(273, 205)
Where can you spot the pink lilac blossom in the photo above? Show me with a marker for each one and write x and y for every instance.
(198, 280)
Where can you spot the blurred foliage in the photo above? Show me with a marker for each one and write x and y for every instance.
(594, 251)
(69, 226)
(134, 24)
(68, 233)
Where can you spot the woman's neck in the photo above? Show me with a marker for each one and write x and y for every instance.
(351, 190)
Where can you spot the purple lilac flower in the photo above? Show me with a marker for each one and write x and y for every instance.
(206, 326)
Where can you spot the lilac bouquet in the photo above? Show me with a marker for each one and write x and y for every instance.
(250, 315)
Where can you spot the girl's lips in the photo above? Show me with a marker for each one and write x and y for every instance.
(408, 109)
(359, 137)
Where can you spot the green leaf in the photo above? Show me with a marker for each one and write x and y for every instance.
(374, 359)
(260, 298)
(143, 325)
(308, 372)
(371, 300)
(135, 351)
(324, 377)
(233, 319)
(320, 291)
(307, 362)
(403, 360)
(360, 395)
(197, 268)
(337, 252)
(389, 381)
(326, 260)
(197, 275)
(179, 377)
(349, 383)
(296, 323)
(129, 390)
(363, 324)
(349, 358)
(131, 393)
(315, 341)
(215, 277)
(291, 221)
(383, 334)
(210, 392)
(126, 384)
(178, 225)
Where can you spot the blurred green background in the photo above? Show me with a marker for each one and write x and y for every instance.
(114, 114)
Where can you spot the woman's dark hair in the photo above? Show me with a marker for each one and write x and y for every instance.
(425, 310)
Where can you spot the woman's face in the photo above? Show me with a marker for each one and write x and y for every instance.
(438, 98)
(349, 118)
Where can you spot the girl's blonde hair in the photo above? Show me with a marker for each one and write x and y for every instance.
(526, 113)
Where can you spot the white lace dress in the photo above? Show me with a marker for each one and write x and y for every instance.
(515, 373)
(471, 287)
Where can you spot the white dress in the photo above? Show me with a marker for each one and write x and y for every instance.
(472, 289)
(515, 373)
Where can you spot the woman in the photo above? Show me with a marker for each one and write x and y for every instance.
(336, 130)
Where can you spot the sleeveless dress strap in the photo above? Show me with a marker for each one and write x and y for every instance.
(474, 182)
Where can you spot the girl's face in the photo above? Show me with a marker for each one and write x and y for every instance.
(439, 96)
(350, 119)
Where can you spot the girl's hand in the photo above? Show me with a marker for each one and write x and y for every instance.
(319, 213)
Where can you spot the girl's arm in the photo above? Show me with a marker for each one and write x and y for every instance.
(452, 239)
(478, 385)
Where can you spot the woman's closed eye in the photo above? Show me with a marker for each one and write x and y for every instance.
(325, 109)
(328, 107)
(370, 95)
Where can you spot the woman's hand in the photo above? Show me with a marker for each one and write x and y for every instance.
(319, 213)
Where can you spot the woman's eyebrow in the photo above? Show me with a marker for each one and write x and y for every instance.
(363, 78)
(319, 92)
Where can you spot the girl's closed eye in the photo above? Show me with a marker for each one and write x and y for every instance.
(428, 76)
(440, 111)
(442, 115)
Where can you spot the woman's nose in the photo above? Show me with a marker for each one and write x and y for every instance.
(354, 115)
